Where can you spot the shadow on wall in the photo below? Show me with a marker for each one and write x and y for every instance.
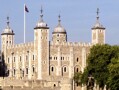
(3, 68)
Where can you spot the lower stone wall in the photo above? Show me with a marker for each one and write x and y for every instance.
(28, 88)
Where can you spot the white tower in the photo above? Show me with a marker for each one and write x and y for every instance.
(7, 38)
(41, 47)
(98, 32)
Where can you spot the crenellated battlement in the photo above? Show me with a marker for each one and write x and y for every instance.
(22, 45)
(72, 44)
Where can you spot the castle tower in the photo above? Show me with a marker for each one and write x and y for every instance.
(59, 33)
(7, 38)
(41, 47)
(98, 32)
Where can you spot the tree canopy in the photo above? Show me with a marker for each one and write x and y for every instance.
(103, 65)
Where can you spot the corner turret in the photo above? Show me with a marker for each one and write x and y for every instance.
(7, 38)
(98, 31)
(59, 33)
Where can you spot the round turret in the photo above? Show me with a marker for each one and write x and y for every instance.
(59, 33)
(7, 30)
(59, 28)
(98, 24)
(41, 23)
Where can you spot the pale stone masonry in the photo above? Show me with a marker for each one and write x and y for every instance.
(53, 62)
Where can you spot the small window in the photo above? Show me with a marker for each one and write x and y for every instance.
(65, 69)
(26, 70)
(14, 71)
(56, 58)
(77, 70)
(54, 85)
(77, 59)
(14, 59)
(61, 58)
(33, 69)
(33, 57)
(58, 40)
(20, 58)
(23, 73)
(52, 69)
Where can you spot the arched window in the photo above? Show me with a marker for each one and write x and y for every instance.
(23, 73)
(65, 69)
(14, 59)
(33, 57)
(20, 58)
(52, 69)
(26, 70)
(77, 59)
(77, 70)
(33, 69)
(14, 71)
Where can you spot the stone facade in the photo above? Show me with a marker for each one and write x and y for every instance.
(51, 62)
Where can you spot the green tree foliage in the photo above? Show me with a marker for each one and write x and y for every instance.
(113, 80)
(97, 63)
(77, 78)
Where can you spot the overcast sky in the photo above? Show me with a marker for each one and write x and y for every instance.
(77, 17)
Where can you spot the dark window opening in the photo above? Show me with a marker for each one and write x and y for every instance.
(33, 69)
(20, 58)
(61, 58)
(14, 59)
(77, 70)
(77, 59)
(54, 85)
(33, 57)
(26, 70)
(23, 74)
(52, 69)
(14, 71)
(64, 69)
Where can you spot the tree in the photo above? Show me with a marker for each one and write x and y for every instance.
(113, 80)
(77, 78)
(97, 63)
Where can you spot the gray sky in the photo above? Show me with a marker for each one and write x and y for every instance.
(77, 17)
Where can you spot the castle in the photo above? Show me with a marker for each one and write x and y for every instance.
(53, 62)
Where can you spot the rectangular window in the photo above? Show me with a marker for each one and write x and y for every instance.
(33, 57)
(20, 58)
(61, 58)
(14, 59)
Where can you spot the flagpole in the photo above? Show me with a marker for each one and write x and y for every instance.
(24, 24)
